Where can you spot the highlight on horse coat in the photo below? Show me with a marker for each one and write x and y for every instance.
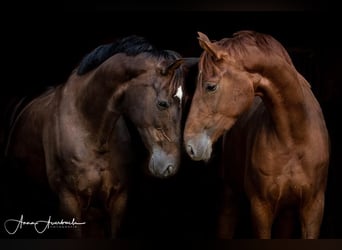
(118, 111)
(275, 141)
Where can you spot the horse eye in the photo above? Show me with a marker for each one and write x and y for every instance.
(210, 87)
(163, 105)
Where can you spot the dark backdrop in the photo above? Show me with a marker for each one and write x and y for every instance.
(41, 48)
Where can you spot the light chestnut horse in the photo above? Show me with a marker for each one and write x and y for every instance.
(276, 144)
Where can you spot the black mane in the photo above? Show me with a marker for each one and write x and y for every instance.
(130, 45)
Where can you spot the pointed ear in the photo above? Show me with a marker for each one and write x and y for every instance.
(212, 48)
(202, 37)
(188, 62)
(173, 66)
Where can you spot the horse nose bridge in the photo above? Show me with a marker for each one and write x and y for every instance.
(188, 128)
(192, 128)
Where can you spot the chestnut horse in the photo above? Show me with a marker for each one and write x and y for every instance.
(276, 145)
(83, 137)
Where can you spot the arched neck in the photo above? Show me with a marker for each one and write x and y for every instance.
(96, 96)
(283, 89)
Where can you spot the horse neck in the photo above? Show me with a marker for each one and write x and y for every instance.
(288, 97)
(91, 99)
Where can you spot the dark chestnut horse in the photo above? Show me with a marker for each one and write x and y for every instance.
(277, 149)
(84, 137)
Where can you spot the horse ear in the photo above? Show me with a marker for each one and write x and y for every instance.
(188, 62)
(173, 66)
(210, 47)
(202, 36)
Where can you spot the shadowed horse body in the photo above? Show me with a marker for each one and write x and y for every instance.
(119, 109)
(275, 144)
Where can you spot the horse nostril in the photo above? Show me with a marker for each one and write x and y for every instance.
(190, 150)
(169, 170)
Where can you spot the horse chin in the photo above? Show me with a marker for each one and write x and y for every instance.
(199, 147)
(161, 164)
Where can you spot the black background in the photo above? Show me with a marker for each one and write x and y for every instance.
(41, 47)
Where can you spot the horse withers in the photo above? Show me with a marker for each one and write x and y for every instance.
(275, 144)
(83, 138)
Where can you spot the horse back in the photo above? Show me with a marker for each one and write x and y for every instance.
(24, 144)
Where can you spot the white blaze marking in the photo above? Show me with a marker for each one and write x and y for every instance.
(179, 93)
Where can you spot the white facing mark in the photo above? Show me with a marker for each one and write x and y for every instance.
(179, 93)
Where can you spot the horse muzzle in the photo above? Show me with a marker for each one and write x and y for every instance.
(199, 147)
(163, 165)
